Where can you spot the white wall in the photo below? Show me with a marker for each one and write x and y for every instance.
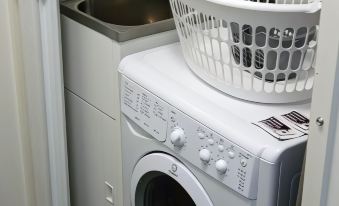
(15, 170)
(33, 159)
(24, 166)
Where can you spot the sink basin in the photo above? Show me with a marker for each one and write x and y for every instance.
(121, 20)
(128, 12)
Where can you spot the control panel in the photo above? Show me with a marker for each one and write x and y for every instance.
(148, 111)
(212, 153)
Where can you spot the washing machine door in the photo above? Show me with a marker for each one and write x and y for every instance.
(161, 180)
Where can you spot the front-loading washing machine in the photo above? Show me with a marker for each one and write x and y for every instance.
(185, 143)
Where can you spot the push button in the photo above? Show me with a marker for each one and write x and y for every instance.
(243, 162)
(201, 135)
(221, 148)
(210, 141)
(231, 154)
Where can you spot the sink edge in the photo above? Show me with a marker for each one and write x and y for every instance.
(119, 33)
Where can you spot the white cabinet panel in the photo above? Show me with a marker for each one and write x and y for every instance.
(89, 69)
(94, 153)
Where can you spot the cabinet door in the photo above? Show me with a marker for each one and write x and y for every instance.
(94, 154)
(90, 65)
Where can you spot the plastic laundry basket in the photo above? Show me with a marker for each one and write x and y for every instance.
(259, 51)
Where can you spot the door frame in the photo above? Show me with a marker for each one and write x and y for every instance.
(42, 59)
(322, 158)
(54, 99)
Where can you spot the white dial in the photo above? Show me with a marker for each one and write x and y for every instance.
(178, 137)
(221, 166)
(205, 155)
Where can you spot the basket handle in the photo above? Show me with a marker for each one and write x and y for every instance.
(242, 4)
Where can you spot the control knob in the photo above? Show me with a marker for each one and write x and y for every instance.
(178, 137)
(221, 166)
(205, 155)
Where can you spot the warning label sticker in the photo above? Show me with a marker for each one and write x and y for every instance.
(298, 120)
(287, 126)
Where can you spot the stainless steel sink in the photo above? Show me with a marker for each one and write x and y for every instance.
(121, 20)
(128, 12)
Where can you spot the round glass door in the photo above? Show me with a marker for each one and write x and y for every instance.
(159, 189)
(161, 180)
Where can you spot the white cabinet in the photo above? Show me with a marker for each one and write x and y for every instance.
(91, 63)
(94, 153)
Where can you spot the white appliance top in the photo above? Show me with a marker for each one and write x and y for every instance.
(164, 72)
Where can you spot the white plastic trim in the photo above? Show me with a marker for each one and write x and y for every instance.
(54, 98)
(163, 163)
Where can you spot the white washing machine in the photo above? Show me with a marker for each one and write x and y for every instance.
(185, 143)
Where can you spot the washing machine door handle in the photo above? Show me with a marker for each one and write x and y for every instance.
(166, 164)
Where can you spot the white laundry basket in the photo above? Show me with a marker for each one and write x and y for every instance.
(259, 50)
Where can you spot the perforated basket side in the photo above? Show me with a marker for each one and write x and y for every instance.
(254, 55)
